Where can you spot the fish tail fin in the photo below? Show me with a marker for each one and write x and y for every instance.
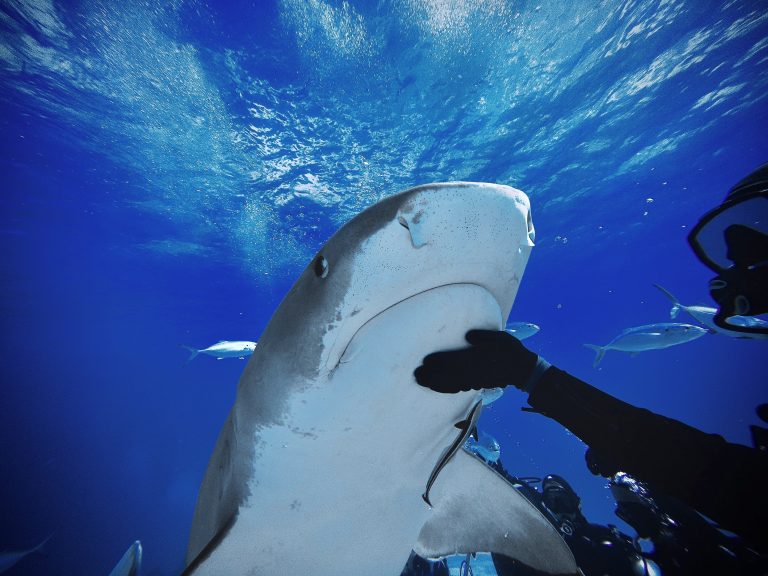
(192, 352)
(675, 302)
(130, 563)
(599, 351)
(39, 548)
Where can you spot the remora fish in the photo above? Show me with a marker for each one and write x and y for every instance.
(10, 558)
(322, 462)
(130, 563)
(225, 349)
(521, 330)
(705, 315)
(467, 427)
(650, 337)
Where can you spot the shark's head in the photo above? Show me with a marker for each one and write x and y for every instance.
(430, 236)
(427, 237)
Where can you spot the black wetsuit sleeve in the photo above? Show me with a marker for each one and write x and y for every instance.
(726, 482)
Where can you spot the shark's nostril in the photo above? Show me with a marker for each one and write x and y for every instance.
(414, 228)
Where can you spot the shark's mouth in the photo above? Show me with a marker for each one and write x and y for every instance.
(381, 357)
(340, 351)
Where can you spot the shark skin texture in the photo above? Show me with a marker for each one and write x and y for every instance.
(322, 462)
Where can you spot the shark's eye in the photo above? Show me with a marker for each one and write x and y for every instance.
(321, 266)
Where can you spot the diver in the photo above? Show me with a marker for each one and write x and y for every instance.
(724, 481)
(683, 542)
(597, 549)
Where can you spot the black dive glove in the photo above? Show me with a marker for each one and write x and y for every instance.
(493, 360)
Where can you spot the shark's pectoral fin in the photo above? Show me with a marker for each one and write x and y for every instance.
(475, 509)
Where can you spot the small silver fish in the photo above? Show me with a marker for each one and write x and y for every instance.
(225, 349)
(10, 558)
(521, 330)
(649, 337)
(705, 315)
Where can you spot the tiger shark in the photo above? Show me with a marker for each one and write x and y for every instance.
(322, 462)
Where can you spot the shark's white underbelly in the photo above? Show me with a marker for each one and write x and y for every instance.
(337, 486)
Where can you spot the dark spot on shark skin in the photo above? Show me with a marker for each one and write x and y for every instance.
(410, 205)
(354, 312)
(295, 505)
(417, 218)
(299, 432)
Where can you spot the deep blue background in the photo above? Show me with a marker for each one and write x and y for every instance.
(166, 174)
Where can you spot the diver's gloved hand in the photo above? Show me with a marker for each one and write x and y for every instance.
(493, 360)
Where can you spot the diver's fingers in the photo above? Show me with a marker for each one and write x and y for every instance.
(479, 337)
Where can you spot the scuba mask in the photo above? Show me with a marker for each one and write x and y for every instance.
(559, 497)
(732, 240)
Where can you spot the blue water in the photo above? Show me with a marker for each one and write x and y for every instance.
(167, 172)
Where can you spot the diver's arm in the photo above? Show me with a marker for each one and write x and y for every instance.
(724, 481)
